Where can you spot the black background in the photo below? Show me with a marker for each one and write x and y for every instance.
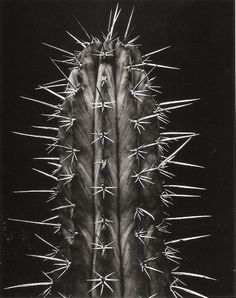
(202, 37)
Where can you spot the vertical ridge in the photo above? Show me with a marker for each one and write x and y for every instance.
(118, 191)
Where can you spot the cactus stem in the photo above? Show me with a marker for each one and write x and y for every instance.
(112, 80)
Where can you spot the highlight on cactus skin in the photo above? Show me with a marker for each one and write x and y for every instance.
(111, 185)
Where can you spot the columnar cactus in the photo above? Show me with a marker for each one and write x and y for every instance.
(110, 196)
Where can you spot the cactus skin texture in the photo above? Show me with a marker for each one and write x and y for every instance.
(110, 195)
(104, 182)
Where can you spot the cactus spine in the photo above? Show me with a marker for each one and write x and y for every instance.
(111, 163)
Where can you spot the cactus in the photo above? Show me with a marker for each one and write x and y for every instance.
(111, 168)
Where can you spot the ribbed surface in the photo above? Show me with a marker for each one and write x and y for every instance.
(105, 185)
